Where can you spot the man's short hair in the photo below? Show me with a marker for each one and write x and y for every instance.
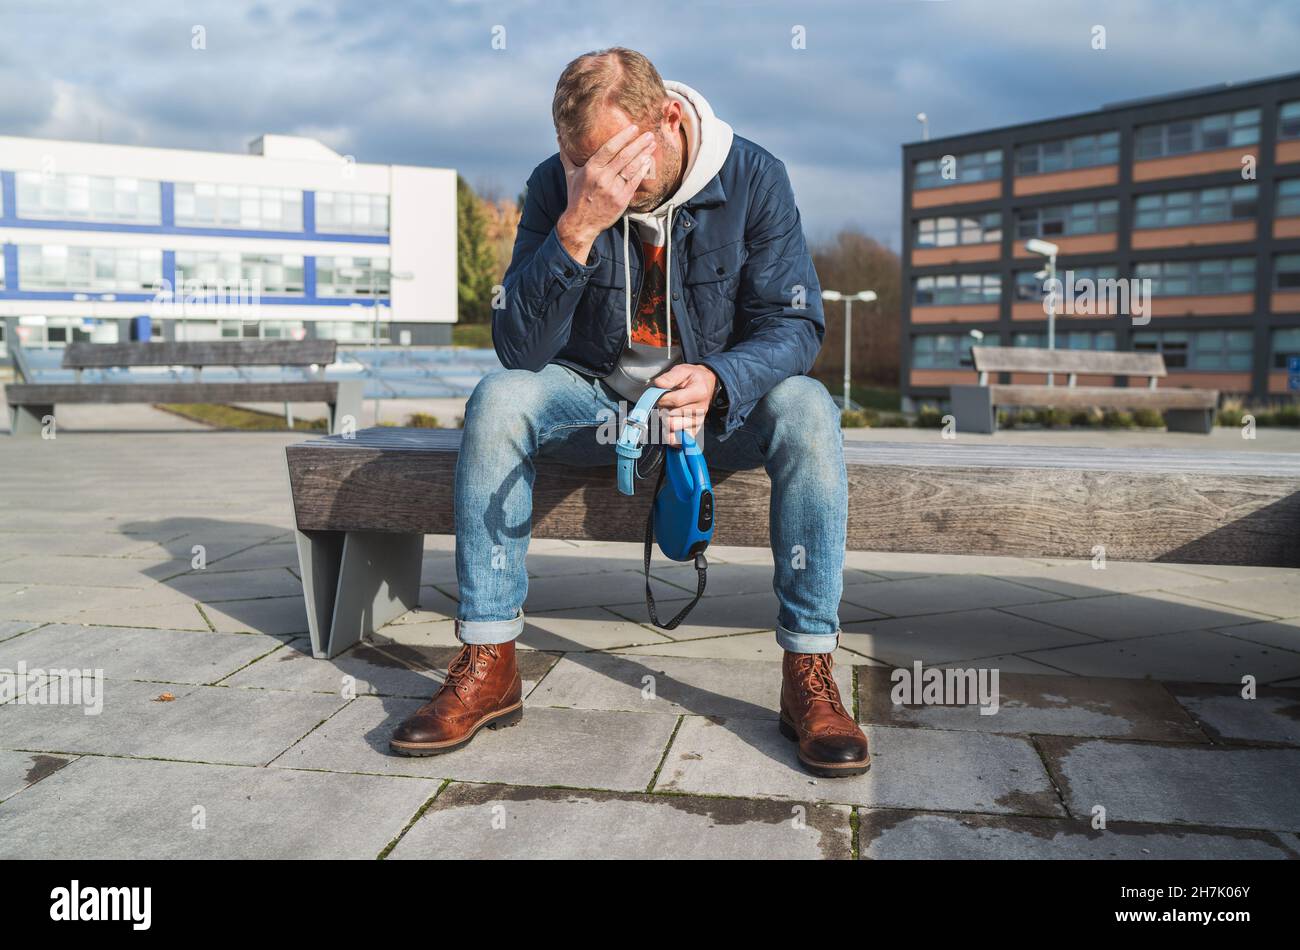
(609, 77)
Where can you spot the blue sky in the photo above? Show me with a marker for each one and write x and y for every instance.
(420, 82)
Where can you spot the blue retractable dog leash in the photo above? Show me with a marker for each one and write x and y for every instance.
(681, 518)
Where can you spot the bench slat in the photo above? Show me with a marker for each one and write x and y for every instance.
(1241, 508)
(1103, 397)
(49, 394)
(1029, 359)
(200, 353)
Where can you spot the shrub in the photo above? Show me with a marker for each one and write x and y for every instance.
(1148, 418)
(1230, 413)
(891, 420)
(1117, 419)
(1086, 417)
(853, 419)
(929, 417)
(421, 420)
(1027, 416)
(1056, 417)
(1287, 414)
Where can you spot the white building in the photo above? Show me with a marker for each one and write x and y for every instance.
(290, 241)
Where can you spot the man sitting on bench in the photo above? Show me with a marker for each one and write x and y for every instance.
(657, 248)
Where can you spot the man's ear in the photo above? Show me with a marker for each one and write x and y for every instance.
(673, 115)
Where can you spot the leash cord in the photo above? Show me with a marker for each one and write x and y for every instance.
(701, 567)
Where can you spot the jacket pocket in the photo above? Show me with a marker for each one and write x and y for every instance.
(711, 281)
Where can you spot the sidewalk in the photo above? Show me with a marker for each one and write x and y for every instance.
(1120, 690)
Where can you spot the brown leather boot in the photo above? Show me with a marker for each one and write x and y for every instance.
(482, 688)
(830, 742)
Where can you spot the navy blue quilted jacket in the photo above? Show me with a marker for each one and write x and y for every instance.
(744, 292)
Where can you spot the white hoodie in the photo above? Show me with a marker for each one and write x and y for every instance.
(650, 348)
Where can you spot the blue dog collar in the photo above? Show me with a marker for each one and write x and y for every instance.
(633, 437)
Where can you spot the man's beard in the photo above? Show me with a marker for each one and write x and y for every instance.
(667, 184)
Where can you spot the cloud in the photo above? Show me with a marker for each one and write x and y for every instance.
(421, 83)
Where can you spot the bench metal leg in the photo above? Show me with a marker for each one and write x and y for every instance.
(349, 404)
(354, 582)
(972, 407)
(28, 419)
(1190, 420)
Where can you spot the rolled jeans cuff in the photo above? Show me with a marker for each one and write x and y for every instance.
(793, 642)
(490, 631)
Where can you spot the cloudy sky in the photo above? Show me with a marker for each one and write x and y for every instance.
(421, 82)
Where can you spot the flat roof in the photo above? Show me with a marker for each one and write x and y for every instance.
(1121, 106)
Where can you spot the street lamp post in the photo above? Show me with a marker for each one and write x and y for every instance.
(925, 126)
(1048, 250)
(866, 296)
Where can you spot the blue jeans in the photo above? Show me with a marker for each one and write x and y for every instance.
(516, 416)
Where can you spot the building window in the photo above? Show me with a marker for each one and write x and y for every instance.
(88, 198)
(947, 350)
(1288, 198)
(1286, 272)
(1030, 287)
(206, 271)
(1082, 151)
(1204, 134)
(966, 229)
(351, 276)
(349, 213)
(1172, 209)
(249, 207)
(1215, 350)
(949, 289)
(1186, 278)
(1083, 217)
(1286, 345)
(972, 167)
(1073, 340)
(1288, 120)
(100, 269)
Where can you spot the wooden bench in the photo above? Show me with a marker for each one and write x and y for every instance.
(30, 402)
(975, 407)
(362, 506)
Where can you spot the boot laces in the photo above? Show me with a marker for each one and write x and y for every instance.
(465, 667)
(816, 679)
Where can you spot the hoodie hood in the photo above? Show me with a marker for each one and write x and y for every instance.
(650, 346)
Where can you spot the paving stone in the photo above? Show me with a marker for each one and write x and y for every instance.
(438, 569)
(201, 724)
(1275, 633)
(910, 768)
(758, 647)
(892, 565)
(171, 656)
(492, 821)
(259, 558)
(584, 628)
(46, 603)
(568, 747)
(20, 770)
(1198, 656)
(74, 571)
(236, 585)
(726, 579)
(434, 604)
(132, 808)
(932, 595)
(1278, 596)
(725, 615)
(433, 633)
(1120, 616)
(179, 616)
(1081, 579)
(1230, 572)
(1006, 662)
(273, 616)
(1273, 716)
(376, 670)
(1220, 786)
(11, 628)
(672, 685)
(83, 543)
(1035, 704)
(940, 638)
(886, 834)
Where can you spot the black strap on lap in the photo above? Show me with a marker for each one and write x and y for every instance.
(701, 567)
